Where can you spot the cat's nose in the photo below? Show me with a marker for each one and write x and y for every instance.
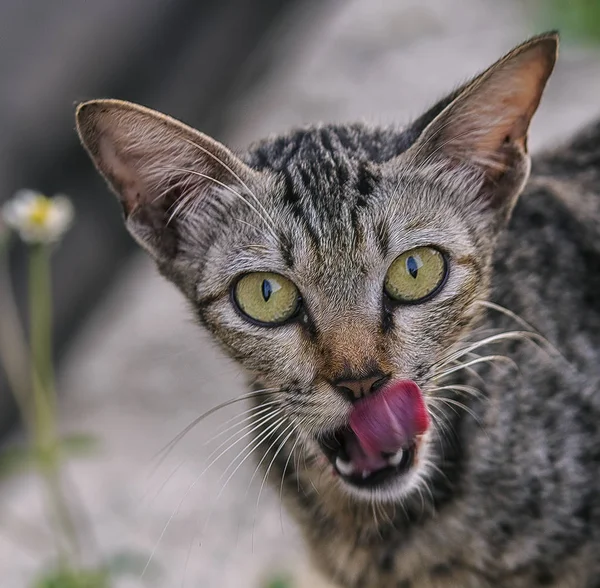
(356, 389)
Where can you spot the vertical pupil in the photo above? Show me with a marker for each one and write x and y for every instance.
(412, 267)
(266, 290)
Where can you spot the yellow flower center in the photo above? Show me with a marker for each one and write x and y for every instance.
(40, 211)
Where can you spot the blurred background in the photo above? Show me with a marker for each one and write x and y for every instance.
(133, 369)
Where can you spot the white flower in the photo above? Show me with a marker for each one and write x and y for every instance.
(37, 218)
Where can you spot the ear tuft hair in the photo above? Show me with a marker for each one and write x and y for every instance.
(158, 167)
(484, 125)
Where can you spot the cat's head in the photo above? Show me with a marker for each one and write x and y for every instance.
(338, 264)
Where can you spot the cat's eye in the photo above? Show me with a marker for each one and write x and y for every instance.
(266, 297)
(416, 275)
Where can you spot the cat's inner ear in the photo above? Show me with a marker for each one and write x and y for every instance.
(487, 121)
(161, 170)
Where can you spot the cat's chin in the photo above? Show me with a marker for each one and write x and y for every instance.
(386, 479)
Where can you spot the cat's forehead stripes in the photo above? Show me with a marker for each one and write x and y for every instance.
(327, 176)
(357, 140)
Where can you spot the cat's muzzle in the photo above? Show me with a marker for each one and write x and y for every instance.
(381, 440)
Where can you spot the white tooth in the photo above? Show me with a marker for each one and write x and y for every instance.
(344, 467)
(396, 458)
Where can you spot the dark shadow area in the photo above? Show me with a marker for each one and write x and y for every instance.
(183, 57)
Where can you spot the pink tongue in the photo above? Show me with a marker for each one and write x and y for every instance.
(386, 422)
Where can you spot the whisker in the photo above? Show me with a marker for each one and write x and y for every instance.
(223, 185)
(473, 415)
(418, 488)
(187, 563)
(426, 144)
(506, 336)
(266, 453)
(439, 470)
(385, 515)
(454, 403)
(294, 429)
(297, 468)
(484, 359)
(166, 450)
(164, 483)
(514, 316)
(283, 481)
(178, 508)
(306, 469)
(235, 175)
(247, 415)
(404, 511)
(507, 312)
(481, 332)
(444, 425)
(253, 426)
(372, 502)
(423, 483)
(240, 220)
(443, 429)
(252, 446)
(475, 392)
(473, 373)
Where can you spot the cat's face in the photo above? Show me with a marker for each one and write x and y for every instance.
(339, 265)
(328, 305)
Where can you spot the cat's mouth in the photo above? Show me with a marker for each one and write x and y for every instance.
(382, 437)
(363, 470)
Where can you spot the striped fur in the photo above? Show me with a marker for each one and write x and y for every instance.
(504, 492)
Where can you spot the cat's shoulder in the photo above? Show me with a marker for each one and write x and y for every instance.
(567, 178)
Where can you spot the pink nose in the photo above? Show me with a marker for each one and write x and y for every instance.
(357, 389)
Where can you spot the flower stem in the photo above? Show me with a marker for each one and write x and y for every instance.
(44, 395)
(40, 317)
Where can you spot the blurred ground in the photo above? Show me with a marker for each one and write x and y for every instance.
(141, 371)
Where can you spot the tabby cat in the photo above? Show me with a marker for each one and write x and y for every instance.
(424, 350)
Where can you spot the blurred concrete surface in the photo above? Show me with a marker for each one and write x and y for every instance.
(141, 370)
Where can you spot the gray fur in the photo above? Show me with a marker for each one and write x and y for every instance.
(506, 489)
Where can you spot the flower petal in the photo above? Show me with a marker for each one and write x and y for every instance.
(38, 219)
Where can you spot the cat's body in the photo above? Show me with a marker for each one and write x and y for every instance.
(517, 501)
(421, 436)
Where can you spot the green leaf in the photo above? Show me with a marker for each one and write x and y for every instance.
(17, 460)
(579, 19)
(74, 579)
(279, 582)
(78, 444)
(131, 563)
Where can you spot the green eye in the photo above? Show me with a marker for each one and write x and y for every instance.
(415, 275)
(266, 297)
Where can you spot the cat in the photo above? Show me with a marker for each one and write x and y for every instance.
(423, 346)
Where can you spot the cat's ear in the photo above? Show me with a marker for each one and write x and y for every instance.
(159, 168)
(485, 123)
